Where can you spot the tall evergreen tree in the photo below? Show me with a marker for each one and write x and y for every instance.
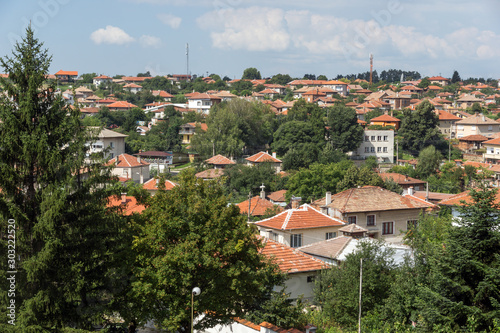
(66, 240)
(345, 133)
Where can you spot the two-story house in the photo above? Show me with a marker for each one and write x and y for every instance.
(477, 124)
(202, 102)
(189, 129)
(447, 123)
(264, 157)
(127, 167)
(110, 142)
(98, 80)
(386, 120)
(383, 213)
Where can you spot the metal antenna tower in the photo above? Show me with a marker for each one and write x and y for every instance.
(187, 61)
(371, 69)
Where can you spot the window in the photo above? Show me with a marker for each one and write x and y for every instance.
(387, 228)
(351, 219)
(296, 240)
(372, 149)
(379, 149)
(385, 149)
(370, 220)
(379, 138)
(111, 155)
(373, 137)
(410, 224)
(473, 127)
(490, 128)
(367, 138)
(460, 127)
(367, 149)
(491, 151)
(112, 144)
(330, 235)
(273, 236)
(386, 138)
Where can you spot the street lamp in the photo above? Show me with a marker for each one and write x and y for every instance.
(196, 291)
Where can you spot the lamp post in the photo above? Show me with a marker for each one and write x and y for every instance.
(196, 291)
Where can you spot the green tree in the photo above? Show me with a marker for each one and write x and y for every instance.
(419, 129)
(69, 247)
(336, 288)
(429, 160)
(242, 179)
(282, 79)
(315, 181)
(194, 239)
(424, 83)
(251, 73)
(456, 77)
(164, 136)
(291, 134)
(345, 133)
(88, 77)
(355, 177)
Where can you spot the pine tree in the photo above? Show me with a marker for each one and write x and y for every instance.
(66, 240)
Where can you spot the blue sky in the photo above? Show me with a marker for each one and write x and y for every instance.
(293, 37)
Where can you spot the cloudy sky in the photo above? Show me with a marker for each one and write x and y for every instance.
(293, 37)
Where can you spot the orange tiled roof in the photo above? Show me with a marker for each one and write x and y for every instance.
(103, 77)
(262, 157)
(305, 217)
(495, 141)
(400, 179)
(210, 174)
(258, 206)
(290, 260)
(203, 126)
(473, 137)
(385, 117)
(219, 160)
(438, 78)
(278, 196)
(443, 115)
(132, 85)
(135, 78)
(126, 161)
(372, 198)
(71, 73)
(152, 185)
(129, 205)
(121, 104)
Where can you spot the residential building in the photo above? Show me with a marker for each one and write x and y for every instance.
(239, 325)
(408, 184)
(377, 143)
(132, 87)
(126, 167)
(219, 162)
(121, 106)
(210, 174)
(447, 123)
(127, 204)
(109, 142)
(300, 226)
(258, 206)
(189, 129)
(470, 143)
(439, 80)
(278, 198)
(98, 80)
(158, 160)
(477, 124)
(202, 102)
(167, 97)
(492, 154)
(384, 213)
(152, 185)
(386, 120)
(66, 76)
(264, 157)
(466, 101)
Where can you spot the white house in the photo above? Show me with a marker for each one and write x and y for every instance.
(113, 143)
(377, 143)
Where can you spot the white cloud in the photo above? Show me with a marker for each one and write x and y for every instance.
(111, 35)
(149, 41)
(173, 21)
(253, 29)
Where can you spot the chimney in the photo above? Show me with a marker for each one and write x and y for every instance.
(410, 190)
(427, 192)
(124, 198)
(328, 198)
(296, 202)
(274, 154)
(262, 191)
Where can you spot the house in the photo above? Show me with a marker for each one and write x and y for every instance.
(98, 80)
(134, 79)
(461, 199)
(385, 214)
(300, 268)
(477, 124)
(471, 142)
(408, 184)
(132, 87)
(163, 94)
(152, 185)
(339, 86)
(398, 101)
(264, 157)
(158, 160)
(83, 92)
(219, 161)
(439, 80)
(109, 142)
(277, 197)
(121, 106)
(66, 76)
(244, 326)
(142, 130)
(335, 250)
(492, 153)
(299, 226)
(202, 102)
(386, 120)
(210, 174)
(466, 101)
(258, 206)
(188, 130)
(378, 143)
(128, 204)
(269, 93)
(127, 166)
(447, 123)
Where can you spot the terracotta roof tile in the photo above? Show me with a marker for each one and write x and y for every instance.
(210, 174)
(330, 248)
(474, 137)
(219, 160)
(385, 117)
(71, 73)
(290, 260)
(126, 161)
(443, 115)
(262, 157)
(305, 217)
(401, 179)
(152, 185)
(258, 206)
(278, 196)
(121, 104)
(129, 205)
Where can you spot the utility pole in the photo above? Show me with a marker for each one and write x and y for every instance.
(371, 69)
(249, 205)
(187, 61)
(360, 291)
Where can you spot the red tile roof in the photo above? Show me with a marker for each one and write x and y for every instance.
(278, 196)
(134, 78)
(129, 205)
(71, 73)
(401, 179)
(258, 206)
(210, 174)
(262, 157)
(444, 115)
(438, 78)
(291, 260)
(132, 85)
(305, 217)
(152, 185)
(372, 198)
(385, 117)
(474, 137)
(121, 105)
(103, 77)
(219, 160)
(492, 142)
(162, 93)
(126, 161)
(203, 126)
